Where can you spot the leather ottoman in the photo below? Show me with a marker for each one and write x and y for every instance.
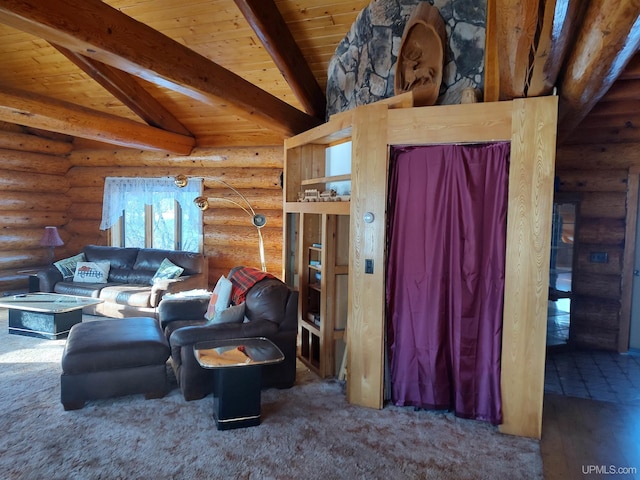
(113, 357)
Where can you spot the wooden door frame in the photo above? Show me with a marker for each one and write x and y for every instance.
(628, 262)
(530, 125)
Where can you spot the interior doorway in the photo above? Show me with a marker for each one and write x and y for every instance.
(560, 271)
(634, 331)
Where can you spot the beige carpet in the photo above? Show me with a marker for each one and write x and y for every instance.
(307, 432)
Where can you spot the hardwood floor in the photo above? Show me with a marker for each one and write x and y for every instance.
(583, 438)
(591, 416)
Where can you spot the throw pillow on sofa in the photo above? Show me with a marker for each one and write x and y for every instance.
(67, 266)
(167, 270)
(92, 272)
(220, 298)
(232, 314)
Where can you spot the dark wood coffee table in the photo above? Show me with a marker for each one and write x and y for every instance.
(238, 381)
(45, 315)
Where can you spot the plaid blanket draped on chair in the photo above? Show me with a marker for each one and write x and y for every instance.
(242, 279)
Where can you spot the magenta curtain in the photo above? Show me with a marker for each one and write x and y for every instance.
(445, 277)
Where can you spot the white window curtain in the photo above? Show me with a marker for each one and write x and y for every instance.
(116, 189)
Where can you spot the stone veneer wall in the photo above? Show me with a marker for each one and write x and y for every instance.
(362, 70)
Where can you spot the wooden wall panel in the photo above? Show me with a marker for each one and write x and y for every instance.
(221, 260)
(32, 218)
(239, 178)
(33, 162)
(17, 259)
(603, 205)
(611, 180)
(229, 216)
(32, 195)
(601, 231)
(613, 266)
(20, 201)
(17, 141)
(366, 323)
(262, 157)
(88, 210)
(597, 285)
(600, 173)
(598, 157)
(531, 180)
(596, 322)
(25, 181)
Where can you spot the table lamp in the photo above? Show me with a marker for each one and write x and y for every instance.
(51, 239)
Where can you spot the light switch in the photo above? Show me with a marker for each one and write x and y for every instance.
(368, 265)
(598, 257)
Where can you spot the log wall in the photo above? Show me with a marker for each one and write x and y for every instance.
(229, 237)
(43, 182)
(598, 174)
(33, 194)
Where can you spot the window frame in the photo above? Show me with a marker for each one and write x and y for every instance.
(116, 233)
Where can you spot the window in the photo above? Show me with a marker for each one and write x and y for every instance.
(152, 213)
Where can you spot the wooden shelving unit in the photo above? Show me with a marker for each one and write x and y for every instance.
(317, 248)
(530, 125)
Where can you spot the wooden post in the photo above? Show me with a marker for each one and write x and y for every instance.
(524, 330)
(366, 323)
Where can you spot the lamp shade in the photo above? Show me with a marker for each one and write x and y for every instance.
(51, 238)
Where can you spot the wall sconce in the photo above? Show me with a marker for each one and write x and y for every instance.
(51, 239)
(257, 220)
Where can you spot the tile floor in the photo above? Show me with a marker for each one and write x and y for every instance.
(597, 375)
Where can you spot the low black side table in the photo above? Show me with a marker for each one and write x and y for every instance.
(238, 381)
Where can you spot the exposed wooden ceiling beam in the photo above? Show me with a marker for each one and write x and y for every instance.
(491, 56)
(24, 108)
(607, 41)
(126, 89)
(533, 38)
(94, 29)
(266, 20)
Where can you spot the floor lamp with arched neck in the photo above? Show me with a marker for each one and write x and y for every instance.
(257, 219)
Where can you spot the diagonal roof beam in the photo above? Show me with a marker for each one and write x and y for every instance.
(96, 30)
(29, 109)
(608, 40)
(124, 87)
(528, 44)
(266, 20)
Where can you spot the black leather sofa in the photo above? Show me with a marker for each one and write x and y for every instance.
(128, 291)
(270, 310)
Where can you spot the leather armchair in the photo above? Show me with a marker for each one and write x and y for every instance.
(271, 309)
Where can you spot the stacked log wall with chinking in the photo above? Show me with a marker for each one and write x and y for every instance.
(598, 175)
(33, 194)
(46, 182)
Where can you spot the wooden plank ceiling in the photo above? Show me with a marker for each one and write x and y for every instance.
(167, 76)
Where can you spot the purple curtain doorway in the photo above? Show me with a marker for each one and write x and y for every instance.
(445, 277)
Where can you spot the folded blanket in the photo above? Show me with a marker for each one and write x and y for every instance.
(242, 279)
